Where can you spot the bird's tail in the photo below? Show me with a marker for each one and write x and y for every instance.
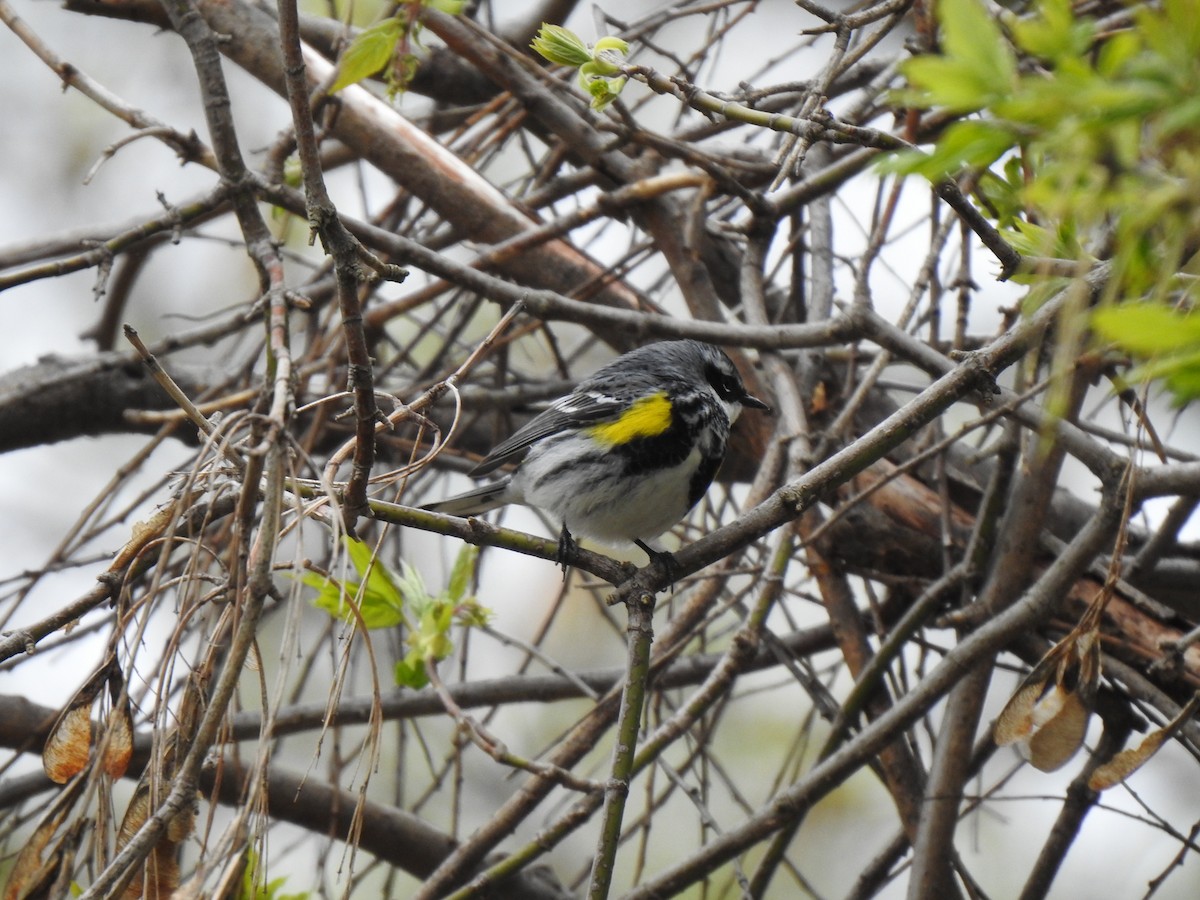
(472, 503)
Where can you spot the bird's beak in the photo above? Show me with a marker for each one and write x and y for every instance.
(755, 403)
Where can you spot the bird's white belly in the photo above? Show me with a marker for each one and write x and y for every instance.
(616, 510)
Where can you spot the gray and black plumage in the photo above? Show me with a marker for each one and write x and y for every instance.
(624, 456)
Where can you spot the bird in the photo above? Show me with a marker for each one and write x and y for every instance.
(624, 456)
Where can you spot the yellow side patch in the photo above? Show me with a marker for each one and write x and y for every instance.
(645, 418)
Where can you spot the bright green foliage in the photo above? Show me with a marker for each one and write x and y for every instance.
(252, 887)
(1089, 149)
(429, 636)
(561, 46)
(368, 53)
(976, 68)
(599, 66)
(604, 47)
(1148, 329)
(1094, 137)
(1167, 339)
(380, 601)
(388, 599)
(394, 41)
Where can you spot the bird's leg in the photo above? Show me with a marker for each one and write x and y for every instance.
(566, 549)
(664, 558)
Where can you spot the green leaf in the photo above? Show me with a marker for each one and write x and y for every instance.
(1116, 52)
(369, 52)
(470, 613)
(431, 640)
(318, 582)
(1183, 118)
(943, 82)
(1148, 329)
(602, 88)
(1000, 192)
(971, 36)
(561, 46)
(381, 602)
(1184, 383)
(971, 143)
(1179, 372)
(1170, 340)
(410, 672)
(450, 7)
(330, 595)
(412, 586)
(462, 574)
(1173, 32)
(976, 65)
(599, 67)
(376, 610)
(612, 44)
(378, 578)
(1054, 34)
(251, 887)
(609, 55)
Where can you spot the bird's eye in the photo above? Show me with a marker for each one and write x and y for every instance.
(726, 384)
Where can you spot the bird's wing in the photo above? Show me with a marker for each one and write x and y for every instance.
(573, 411)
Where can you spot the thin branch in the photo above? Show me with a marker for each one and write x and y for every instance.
(633, 697)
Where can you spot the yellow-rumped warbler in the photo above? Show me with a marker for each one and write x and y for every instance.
(626, 454)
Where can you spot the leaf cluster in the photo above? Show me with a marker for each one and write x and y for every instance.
(394, 44)
(1167, 339)
(599, 66)
(380, 598)
(1086, 143)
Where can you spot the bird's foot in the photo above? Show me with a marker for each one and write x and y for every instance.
(664, 559)
(566, 550)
